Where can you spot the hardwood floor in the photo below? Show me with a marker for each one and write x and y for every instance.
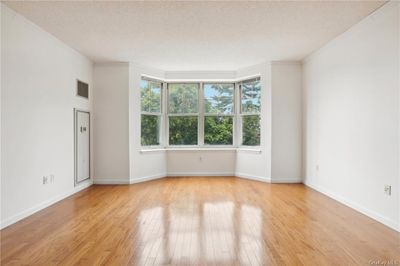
(199, 221)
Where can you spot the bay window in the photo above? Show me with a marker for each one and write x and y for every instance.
(201, 114)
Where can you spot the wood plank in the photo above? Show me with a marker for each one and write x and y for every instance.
(199, 221)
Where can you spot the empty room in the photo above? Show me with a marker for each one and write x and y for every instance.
(200, 133)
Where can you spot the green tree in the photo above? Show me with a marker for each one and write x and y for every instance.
(150, 130)
(218, 104)
(251, 130)
(251, 104)
(218, 130)
(150, 92)
(218, 99)
(183, 130)
(251, 97)
(183, 99)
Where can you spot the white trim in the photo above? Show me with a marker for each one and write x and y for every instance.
(372, 214)
(298, 180)
(111, 181)
(203, 80)
(126, 181)
(248, 150)
(146, 178)
(27, 212)
(190, 174)
(253, 177)
(152, 150)
(205, 75)
(202, 149)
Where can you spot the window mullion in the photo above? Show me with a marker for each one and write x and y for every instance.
(164, 130)
(200, 134)
(238, 118)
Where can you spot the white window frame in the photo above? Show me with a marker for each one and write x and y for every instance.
(160, 114)
(168, 115)
(233, 115)
(237, 116)
(241, 114)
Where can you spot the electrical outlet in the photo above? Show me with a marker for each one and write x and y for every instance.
(388, 190)
(200, 158)
(45, 180)
(51, 178)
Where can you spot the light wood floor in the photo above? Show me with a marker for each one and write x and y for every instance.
(199, 221)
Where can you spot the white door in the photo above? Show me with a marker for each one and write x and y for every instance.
(82, 146)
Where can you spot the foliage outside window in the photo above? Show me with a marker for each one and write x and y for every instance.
(201, 113)
(250, 100)
(183, 111)
(150, 95)
(219, 113)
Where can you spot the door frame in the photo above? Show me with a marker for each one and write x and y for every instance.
(76, 111)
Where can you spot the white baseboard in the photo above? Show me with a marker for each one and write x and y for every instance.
(372, 214)
(146, 178)
(111, 181)
(201, 174)
(287, 180)
(253, 177)
(123, 181)
(25, 213)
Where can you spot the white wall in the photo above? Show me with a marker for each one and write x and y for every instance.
(200, 75)
(286, 165)
(201, 163)
(251, 164)
(143, 165)
(1, 85)
(351, 115)
(38, 94)
(111, 127)
(398, 80)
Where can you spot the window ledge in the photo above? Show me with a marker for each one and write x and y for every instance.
(249, 150)
(152, 150)
(201, 149)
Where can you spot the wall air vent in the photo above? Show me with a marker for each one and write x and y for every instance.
(82, 89)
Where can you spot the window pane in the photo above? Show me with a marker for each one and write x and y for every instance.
(218, 98)
(150, 130)
(218, 130)
(251, 130)
(183, 98)
(150, 93)
(183, 130)
(251, 96)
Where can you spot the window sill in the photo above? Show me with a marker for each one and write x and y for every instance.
(250, 150)
(152, 150)
(201, 149)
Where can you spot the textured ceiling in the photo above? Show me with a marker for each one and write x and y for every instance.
(195, 35)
